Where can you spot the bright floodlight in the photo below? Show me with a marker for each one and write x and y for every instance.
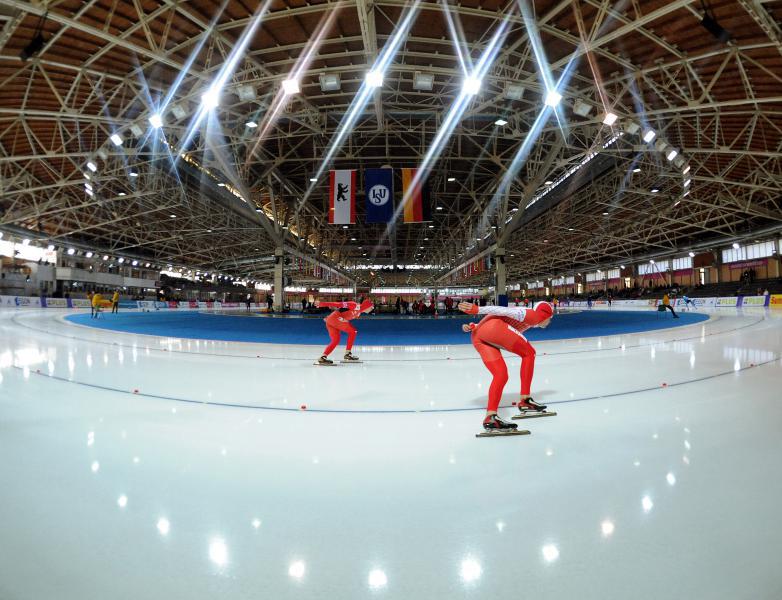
(156, 121)
(649, 135)
(471, 86)
(210, 99)
(687, 182)
(672, 154)
(686, 170)
(290, 87)
(451, 179)
(692, 254)
(735, 245)
(251, 124)
(116, 139)
(610, 119)
(92, 166)
(501, 122)
(375, 79)
(553, 98)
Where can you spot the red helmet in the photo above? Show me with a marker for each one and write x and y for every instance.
(544, 309)
(365, 305)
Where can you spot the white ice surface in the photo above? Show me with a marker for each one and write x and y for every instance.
(635, 490)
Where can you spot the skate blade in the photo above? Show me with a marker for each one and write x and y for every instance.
(317, 364)
(351, 362)
(502, 433)
(533, 415)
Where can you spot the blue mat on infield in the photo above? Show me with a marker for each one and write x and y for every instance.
(372, 331)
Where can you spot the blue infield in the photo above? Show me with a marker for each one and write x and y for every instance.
(373, 331)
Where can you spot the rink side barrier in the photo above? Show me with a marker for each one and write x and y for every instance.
(43, 302)
(773, 300)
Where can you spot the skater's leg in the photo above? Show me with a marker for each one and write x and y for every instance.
(492, 359)
(334, 335)
(524, 349)
(351, 331)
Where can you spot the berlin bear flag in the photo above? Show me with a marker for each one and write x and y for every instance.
(379, 188)
(342, 197)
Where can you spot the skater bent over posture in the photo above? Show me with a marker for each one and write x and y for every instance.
(502, 328)
(338, 322)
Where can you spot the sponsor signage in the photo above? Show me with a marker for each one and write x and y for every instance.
(754, 301)
(727, 301)
(55, 302)
(775, 300)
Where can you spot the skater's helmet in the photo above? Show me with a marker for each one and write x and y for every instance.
(544, 309)
(365, 305)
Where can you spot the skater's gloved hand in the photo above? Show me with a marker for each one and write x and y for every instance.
(468, 307)
(468, 327)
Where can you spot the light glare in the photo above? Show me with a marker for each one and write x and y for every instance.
(375, 79)
(553, 98)
(156, 121)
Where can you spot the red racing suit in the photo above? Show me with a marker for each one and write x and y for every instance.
(502, 328)
(338, 322)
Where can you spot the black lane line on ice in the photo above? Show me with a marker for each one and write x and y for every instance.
(386, 411)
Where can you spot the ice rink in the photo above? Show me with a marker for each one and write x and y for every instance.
(136, 466)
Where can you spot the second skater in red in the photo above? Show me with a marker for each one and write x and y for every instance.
(339, 322)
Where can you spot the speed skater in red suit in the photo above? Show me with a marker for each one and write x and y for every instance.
(502, 328)
(339, 321)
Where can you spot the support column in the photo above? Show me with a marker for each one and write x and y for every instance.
(279, 284)
(500, 291)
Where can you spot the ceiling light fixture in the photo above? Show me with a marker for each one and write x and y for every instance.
(553, 98)
(471, 86)
(290, 87)
(374, 79)
(116, 139)
(610, 119)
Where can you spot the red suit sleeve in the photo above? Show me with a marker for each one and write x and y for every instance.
(348, 305)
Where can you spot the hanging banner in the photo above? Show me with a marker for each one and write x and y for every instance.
(416, 198)
(342, 197)
(379, 191)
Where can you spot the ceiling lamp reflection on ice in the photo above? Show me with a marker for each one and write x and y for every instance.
(375, 79)
(377, 579)
(218, 552)
(297, 569)
(553, 98)
(550, 552)
(470, 570)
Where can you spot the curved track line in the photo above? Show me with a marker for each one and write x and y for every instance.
(385, 411)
